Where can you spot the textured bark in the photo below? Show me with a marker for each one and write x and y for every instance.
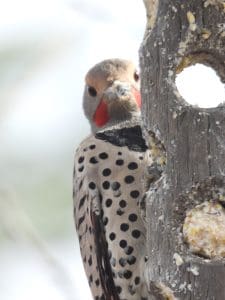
(181, 33)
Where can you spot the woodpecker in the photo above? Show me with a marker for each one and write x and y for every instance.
(108, 183)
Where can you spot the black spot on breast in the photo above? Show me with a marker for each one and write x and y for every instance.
(80, 184)
(115, 185)
(97, 282)
(124, 227)
(81, 159)
(120, 274)
(90, 260)
(81, 203)
(137, 280)
(131, 260)
(119, 162)
(112, 236)
(136, 233)
(91, 147)
(90, 279)
(132, 166)
(129, 179)
(130, 137)
(113, 261)
(93, 160)
(106, 185)
(85, 259)
(128, 250)
(127, 274)
(80, 220)
(132, 217)
(122, 262)
(106, 172)
(134, 194)
(105, 221)
(92, 185)
(81, 169)
(118, 289)
(108, 202)
(103, 155)
(123, 243)
(119, 212)
(122, 203)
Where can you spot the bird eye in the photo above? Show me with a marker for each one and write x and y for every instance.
(136, 76)
(92, 91)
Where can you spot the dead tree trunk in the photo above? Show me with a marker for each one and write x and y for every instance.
(185, 205)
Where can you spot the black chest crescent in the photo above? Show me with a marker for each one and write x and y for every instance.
(130, 137)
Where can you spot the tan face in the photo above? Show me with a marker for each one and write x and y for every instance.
(111, 93)
(102, 76)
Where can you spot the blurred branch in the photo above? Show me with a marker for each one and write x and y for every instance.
(18, 226)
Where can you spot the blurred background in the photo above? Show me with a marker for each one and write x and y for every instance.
(46, 48)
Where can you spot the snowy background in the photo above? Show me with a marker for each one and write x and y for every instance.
(46, 48)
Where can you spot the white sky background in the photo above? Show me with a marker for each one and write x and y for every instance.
(46, 48)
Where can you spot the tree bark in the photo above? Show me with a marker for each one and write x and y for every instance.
(186, 252)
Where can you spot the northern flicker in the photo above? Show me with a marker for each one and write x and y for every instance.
(108, 186)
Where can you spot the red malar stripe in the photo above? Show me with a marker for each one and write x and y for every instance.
(101, 116)
(137, 96)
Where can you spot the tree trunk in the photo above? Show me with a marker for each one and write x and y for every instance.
(185, 203)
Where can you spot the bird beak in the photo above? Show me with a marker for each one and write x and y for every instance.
(117, 91)
(121, 91)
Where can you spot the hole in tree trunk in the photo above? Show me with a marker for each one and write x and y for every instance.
(200, 216)
(200, 85)
(204, 228)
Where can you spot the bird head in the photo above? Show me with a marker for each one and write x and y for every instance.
(111, 93)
